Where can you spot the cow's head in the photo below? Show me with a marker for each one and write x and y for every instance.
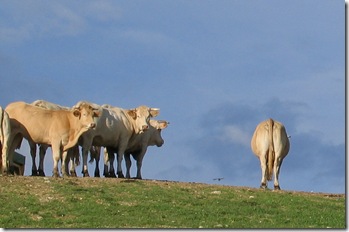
(86, 114)
(156, 137)
(141, 116)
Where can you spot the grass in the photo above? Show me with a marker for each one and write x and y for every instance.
(45, 202)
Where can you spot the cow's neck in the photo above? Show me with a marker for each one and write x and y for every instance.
(74, 134)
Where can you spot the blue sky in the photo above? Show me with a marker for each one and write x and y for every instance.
(214, 68)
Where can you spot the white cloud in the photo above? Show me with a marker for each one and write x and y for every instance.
(103, 11)
(37, 19)
(42, 19)
(234, 134)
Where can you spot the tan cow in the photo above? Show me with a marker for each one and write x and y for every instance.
(59, 128)
(114, 128)
(5, 131)
(73, 154)
(270, 144)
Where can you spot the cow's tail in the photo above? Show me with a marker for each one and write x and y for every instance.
(1, 135)
(1, 127)
(4, 127)
(5, 130)
(271, 153)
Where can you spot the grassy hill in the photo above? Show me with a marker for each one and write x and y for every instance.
(46, 202)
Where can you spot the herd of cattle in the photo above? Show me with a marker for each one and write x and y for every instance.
(123, 132)
(91, 126)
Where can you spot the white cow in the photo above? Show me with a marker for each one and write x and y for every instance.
(114, 128)
(270, 144)
(59, 128)
(5, 130)
(137, 147)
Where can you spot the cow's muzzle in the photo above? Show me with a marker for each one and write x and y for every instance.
(92, 125)
(160, 143)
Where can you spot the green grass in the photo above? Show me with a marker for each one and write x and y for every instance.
(38, 202)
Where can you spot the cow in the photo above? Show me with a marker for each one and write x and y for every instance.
(59, 128)
(5, 131)
(137, 147)
(43, 147)
(114, 128)
(271, 145)
(73, 154)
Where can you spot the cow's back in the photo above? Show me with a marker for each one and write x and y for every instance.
(32, 122)
(110, 128)
(260, 140)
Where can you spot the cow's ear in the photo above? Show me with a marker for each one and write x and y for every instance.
(76, 113)
(163, 124)
(132, 113)
(154, 112)
(96, 113)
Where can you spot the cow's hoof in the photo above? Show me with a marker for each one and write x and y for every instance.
(263, 186)
(106, 174)
(65, 175)
(34, 173)
(120, 175)
(97, 174)
(277, 187)
(85, 173)
(73, 174)
(56, 175)
(112, 175)
(41, 173)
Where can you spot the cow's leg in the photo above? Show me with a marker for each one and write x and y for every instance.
(32, 146)
(84, 161)
(42, 152)
(64, 166)
(75, 160)
(263, 162)
(97, 158)
(128, 164)
(277, 167)
(14, 141)
(56, 154)
(139, 159)
(68, 164)
(72, 160)
(72, 167)
(4, 160)
(111, 158)
(105, 163)
(120, 153)
(6, 146)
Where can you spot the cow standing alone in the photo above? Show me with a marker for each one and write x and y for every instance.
(271, 145)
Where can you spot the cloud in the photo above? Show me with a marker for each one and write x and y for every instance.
(27, 20)
(103, 11)
(234, 134)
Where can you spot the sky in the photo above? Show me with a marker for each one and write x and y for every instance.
(215, 69)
